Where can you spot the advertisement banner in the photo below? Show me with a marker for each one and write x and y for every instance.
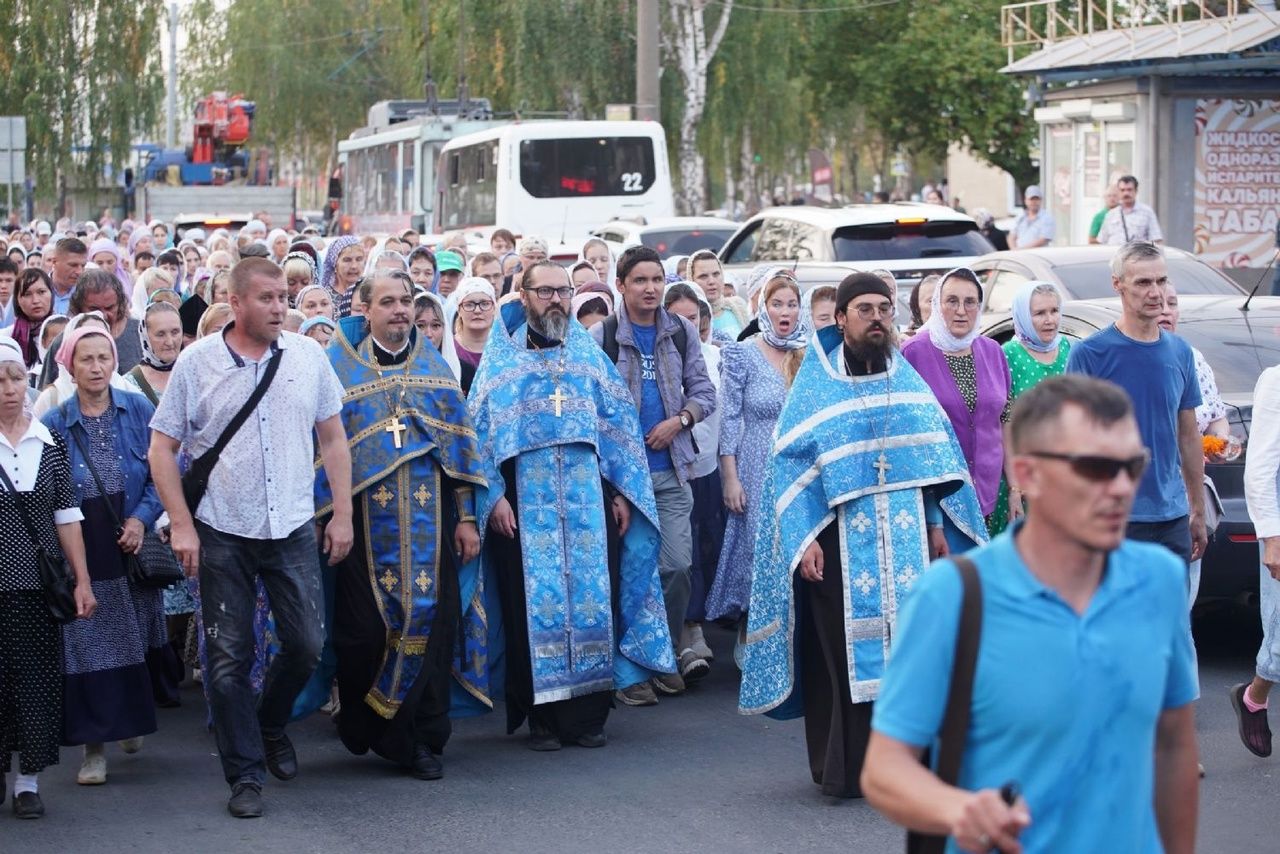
(1237, 189)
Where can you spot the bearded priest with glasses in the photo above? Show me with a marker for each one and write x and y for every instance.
(866, 484)
(570, 561)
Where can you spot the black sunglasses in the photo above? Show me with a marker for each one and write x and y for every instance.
(1100, 469)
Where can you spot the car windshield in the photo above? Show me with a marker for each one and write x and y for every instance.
(1237, 348)
(892, 241)
(686, 241)
(1092, 280)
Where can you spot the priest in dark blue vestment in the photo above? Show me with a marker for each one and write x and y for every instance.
(415, 468)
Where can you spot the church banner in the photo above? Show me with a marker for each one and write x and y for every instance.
(1237, 189)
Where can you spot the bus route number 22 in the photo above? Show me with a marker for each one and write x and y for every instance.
(632, 182)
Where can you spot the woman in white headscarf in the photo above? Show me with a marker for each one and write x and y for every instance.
(729, 314)
(469, 313)
(278, 245)
(431, 319)
(598, 254)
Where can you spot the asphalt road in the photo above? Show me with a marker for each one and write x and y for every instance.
(688, 775)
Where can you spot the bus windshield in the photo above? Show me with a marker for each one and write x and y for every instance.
(593, 166)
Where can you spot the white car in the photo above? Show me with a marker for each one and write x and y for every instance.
(668, 236)
(823, 245)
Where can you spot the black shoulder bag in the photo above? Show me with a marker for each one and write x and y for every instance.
(153, 574)
(955, 721)
(196, 481)
(58, 586)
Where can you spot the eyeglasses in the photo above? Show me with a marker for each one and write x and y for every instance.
(476, 306)
(1100, 469)
(953, 303)
(867, 310)
(545, 293)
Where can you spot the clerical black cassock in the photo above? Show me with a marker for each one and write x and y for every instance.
(581, 607)
(862, 455)
(415, 466)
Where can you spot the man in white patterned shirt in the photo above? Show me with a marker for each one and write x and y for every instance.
(255, 519)
(1130, 220)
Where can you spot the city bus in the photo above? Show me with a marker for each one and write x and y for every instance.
(556, 179)
(387, 170)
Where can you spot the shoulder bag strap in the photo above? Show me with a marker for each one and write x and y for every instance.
(75, 432)
(147, 388)
(22, 510)
(229, 432)
(955, 722)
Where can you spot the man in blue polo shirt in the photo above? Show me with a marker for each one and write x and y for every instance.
(1085, 678)
(1158, 371)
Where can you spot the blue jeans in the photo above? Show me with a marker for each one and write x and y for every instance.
(1269, 602)
(290, 573)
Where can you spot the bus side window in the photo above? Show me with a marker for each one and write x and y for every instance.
(453, 169)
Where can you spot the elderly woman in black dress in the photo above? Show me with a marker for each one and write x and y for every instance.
(107, 689)
(35, 485)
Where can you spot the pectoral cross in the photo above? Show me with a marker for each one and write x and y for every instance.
(396, 428)
(882, 465)
(556, 398)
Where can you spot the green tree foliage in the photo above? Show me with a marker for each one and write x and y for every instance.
(927, 74)
(87, 75)
(856, 80)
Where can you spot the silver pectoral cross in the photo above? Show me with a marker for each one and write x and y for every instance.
(882, 465)
(396, 428)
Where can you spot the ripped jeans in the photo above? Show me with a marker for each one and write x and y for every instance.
(290, 573)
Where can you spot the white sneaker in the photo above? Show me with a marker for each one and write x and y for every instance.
(698, 643)
(131, 745)
(93, 770)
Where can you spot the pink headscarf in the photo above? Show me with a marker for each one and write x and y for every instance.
(106, 244)
(66, 353)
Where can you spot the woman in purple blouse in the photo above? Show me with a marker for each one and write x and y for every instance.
(970, 377)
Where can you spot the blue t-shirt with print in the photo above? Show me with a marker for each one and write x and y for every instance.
(651, 409)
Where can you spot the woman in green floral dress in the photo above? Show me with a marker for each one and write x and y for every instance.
(1036, 351)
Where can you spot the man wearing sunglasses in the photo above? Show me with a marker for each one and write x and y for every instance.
(1158, 371)
(1085, 678)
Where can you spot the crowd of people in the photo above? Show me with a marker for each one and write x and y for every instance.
(407, 479)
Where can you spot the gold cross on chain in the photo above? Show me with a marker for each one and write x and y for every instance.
(396, 428)
(558, 398)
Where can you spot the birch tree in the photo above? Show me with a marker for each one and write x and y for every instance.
(693, 52)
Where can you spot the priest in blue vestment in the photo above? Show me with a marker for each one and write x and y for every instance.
(415, 467)
(572, 541)
(865, 486)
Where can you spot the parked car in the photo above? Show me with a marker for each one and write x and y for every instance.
(1238, 345)
(1084, 272)
(910, 240)
(668, 236)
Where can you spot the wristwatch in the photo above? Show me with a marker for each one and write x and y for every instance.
(686, 420)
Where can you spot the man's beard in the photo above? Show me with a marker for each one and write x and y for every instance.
(864, 349)
(552, 323)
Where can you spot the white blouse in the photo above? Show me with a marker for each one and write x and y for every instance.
(22, 464)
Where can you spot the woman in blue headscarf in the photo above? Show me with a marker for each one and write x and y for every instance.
(343, 267)
(1036, 352)
(755, 375)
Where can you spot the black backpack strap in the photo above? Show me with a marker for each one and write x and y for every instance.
(609, 338)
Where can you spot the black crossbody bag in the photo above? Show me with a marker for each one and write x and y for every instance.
(153, 574)
(58, 586)
(196, 481)
(955, 721)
